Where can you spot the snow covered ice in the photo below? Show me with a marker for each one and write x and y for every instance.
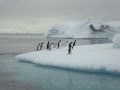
(82, 29)
(99, 57)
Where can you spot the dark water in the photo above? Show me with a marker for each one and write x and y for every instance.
(26, 76)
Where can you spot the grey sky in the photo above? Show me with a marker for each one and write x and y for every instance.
(62, 9)
(108, 9)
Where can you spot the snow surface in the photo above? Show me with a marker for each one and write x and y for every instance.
(100, 57)
(116, 41)
(81, 29)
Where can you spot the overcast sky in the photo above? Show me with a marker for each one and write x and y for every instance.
(58, 10)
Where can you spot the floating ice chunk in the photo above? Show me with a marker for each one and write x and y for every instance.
(116, 41)
(92, 58)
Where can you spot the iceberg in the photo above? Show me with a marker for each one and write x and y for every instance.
(92, 58)
(82, 29)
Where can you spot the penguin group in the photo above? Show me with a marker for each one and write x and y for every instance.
(49, 45)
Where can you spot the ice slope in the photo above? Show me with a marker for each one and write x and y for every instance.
(92, 58)
(82, 30)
